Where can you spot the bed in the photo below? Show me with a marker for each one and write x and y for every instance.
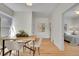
(73, 39)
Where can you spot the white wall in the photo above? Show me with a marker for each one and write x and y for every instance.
(57, 26)
(37, 21)
(23, 21)
(75, 21)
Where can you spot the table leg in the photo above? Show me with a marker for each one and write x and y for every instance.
(33, 48)
(3, 47)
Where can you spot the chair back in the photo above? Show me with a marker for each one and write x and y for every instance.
(39, 42)
(12, 45)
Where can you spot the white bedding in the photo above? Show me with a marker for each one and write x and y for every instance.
(73, 39)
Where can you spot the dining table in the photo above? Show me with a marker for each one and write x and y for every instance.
(18, 39)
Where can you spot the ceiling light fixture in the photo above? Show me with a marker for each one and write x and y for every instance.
(29, 4)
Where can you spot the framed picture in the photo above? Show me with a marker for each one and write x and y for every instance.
(41, 27)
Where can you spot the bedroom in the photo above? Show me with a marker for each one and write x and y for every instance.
(71, 25)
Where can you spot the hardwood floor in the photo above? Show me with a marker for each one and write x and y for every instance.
(49, 49)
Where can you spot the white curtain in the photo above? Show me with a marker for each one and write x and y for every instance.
(12, 31)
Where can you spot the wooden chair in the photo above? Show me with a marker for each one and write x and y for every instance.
(36, 45)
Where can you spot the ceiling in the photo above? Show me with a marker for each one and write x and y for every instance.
(71, 12)
(43, 9)
(18, 7)
(38, 9)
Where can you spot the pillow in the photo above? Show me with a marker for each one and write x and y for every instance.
(77, 32)
(68, 33)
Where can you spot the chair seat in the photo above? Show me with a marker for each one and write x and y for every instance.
(36, 44)
(14, 45)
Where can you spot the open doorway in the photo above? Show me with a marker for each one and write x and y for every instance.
(41, 26)
(71, 30)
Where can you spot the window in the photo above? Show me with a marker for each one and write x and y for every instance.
(7, 27)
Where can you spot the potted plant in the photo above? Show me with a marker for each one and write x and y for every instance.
(22, 33)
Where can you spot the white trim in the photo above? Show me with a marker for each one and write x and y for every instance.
(5, 14)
